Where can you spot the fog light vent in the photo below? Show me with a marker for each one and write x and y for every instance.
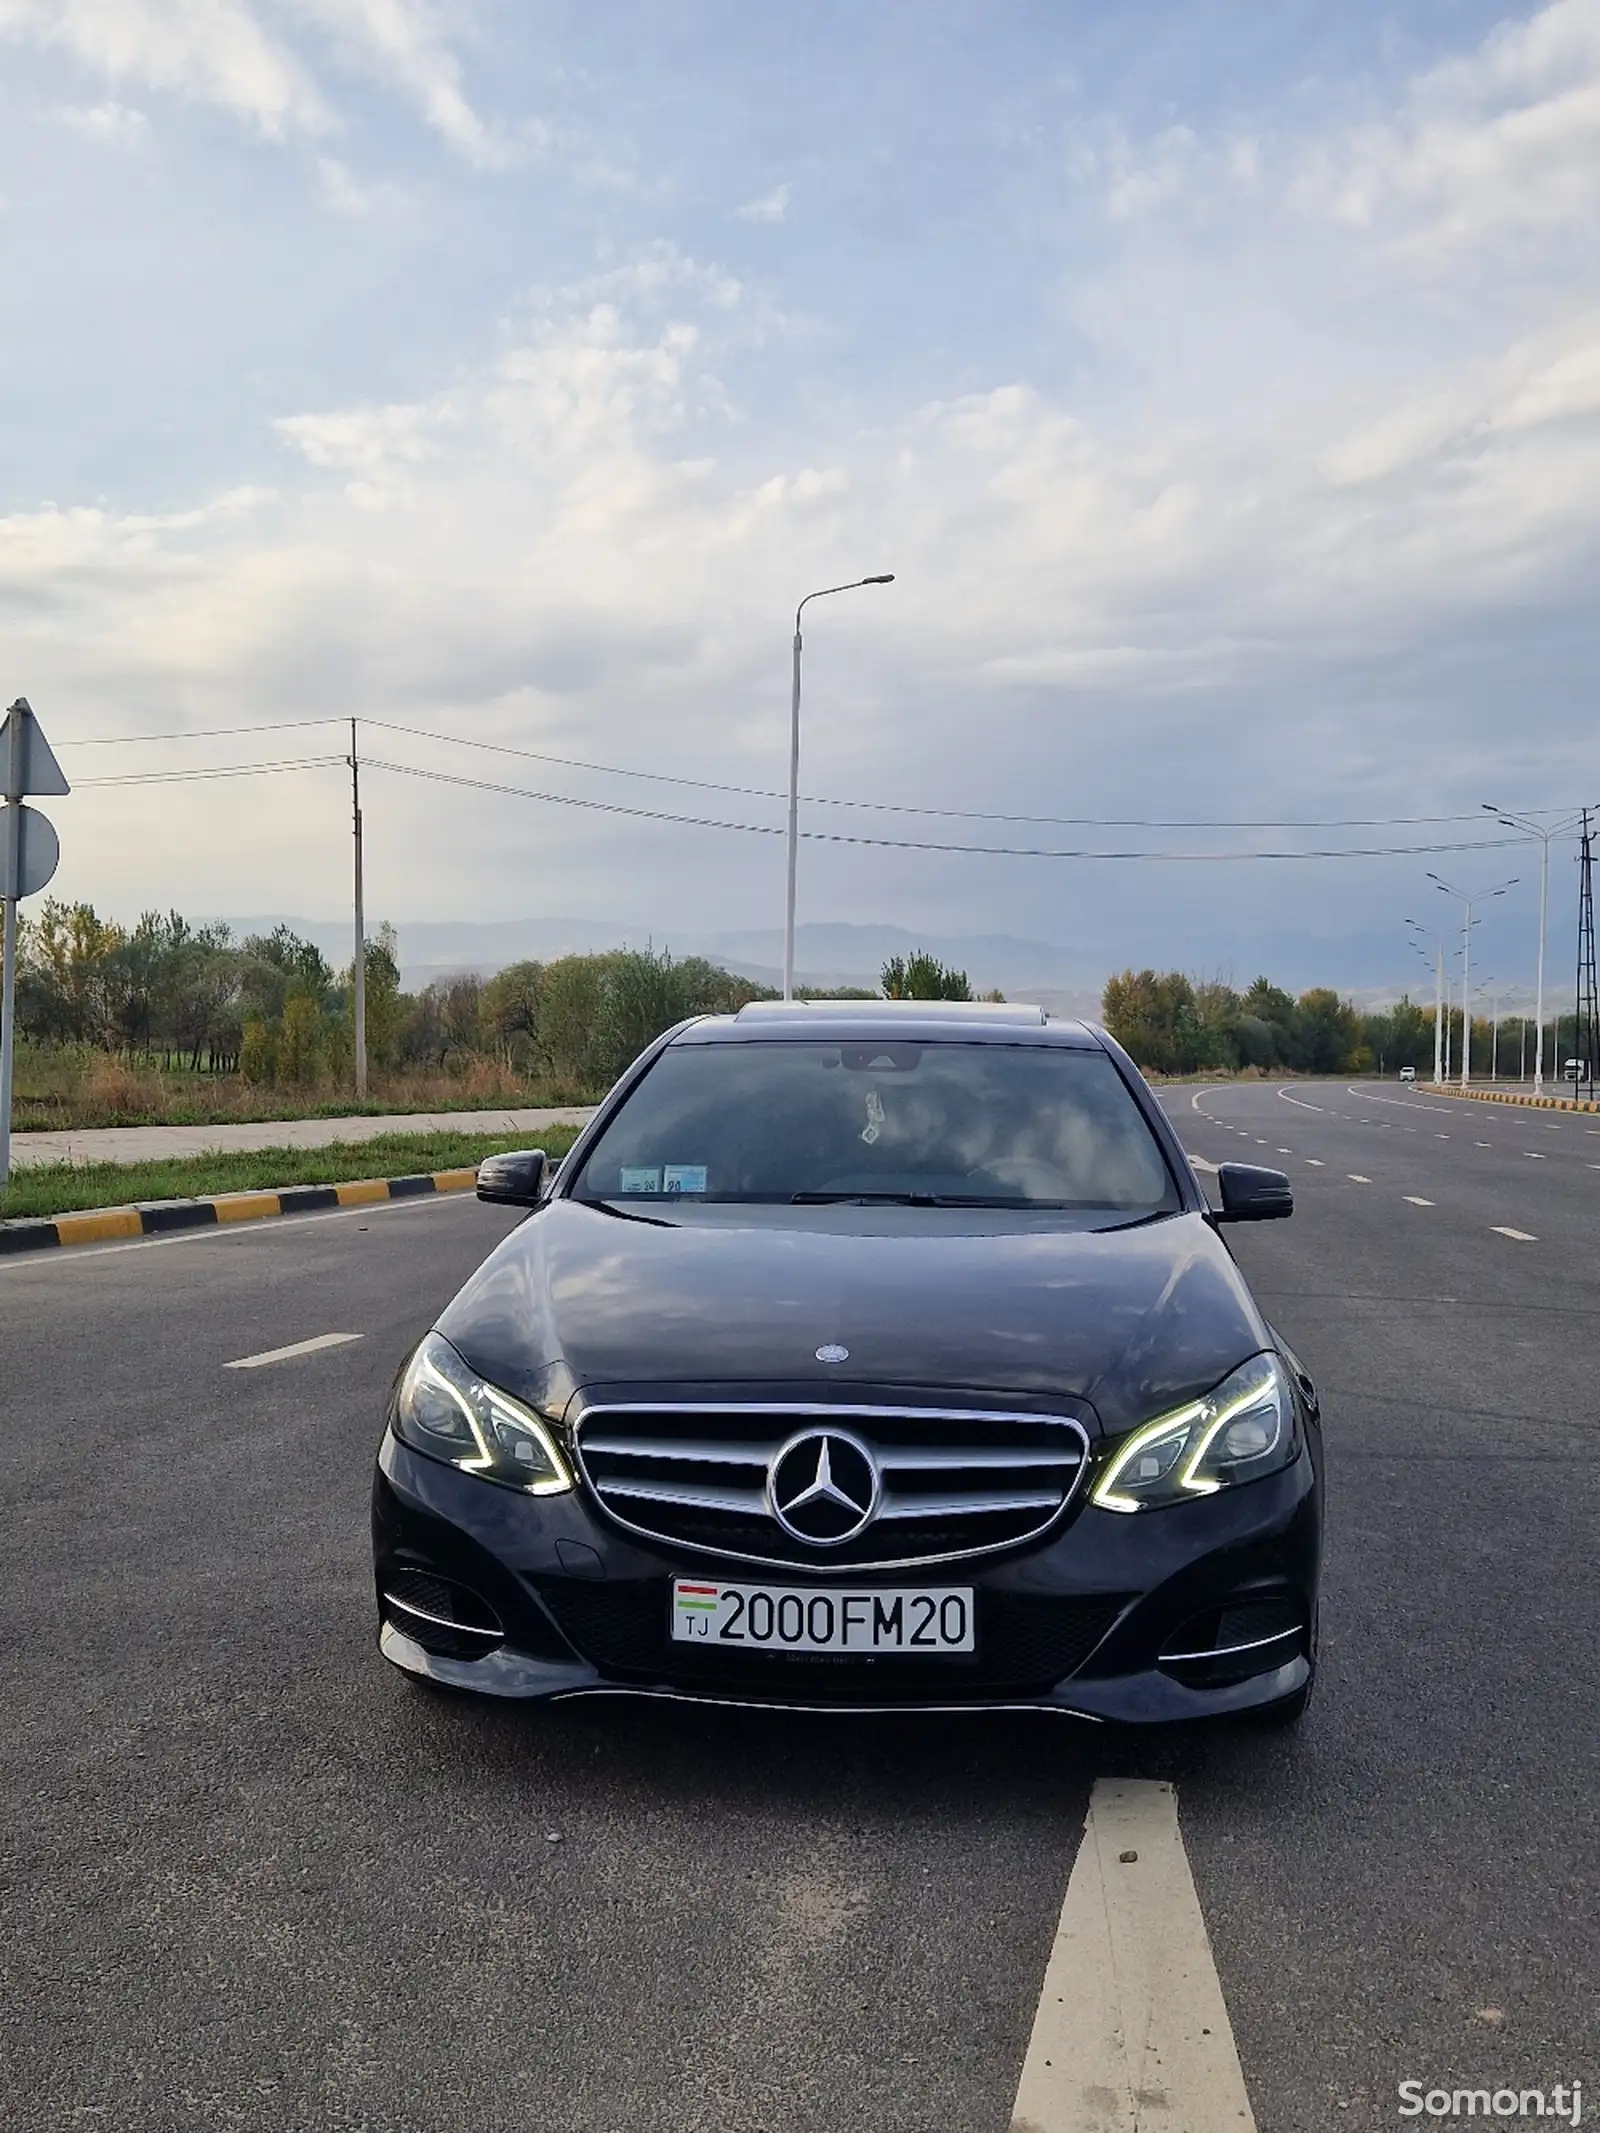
(445, 1618)
(1253, 1635)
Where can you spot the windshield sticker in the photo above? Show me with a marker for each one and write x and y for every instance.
(640, 1179)
(684, 1177)
(874, 1124)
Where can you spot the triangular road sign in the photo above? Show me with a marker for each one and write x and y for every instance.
(26, 762)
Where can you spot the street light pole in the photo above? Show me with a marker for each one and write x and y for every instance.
(1438, 1000)
(1543, 836)
(884, 578)
(1480, 896)
(358, 967)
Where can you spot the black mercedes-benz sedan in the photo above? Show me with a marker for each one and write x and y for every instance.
(862, 1355)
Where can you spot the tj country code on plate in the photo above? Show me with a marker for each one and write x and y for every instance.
(787, 1618)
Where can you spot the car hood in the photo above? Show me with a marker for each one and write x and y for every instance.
(1129, 1321)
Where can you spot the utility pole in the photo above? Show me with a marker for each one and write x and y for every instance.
(1438, 1019)
(358, 968)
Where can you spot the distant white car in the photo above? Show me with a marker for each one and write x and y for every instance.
(1408, 1073)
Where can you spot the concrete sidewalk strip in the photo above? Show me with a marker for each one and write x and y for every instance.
(103, 1225)
(142, 1144)
(1132, 2034)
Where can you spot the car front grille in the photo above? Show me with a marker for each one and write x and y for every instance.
(1026, 1643)
(954, 1482)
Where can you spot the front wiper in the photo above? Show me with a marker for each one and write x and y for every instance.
(916, 1199)
(863, 1199)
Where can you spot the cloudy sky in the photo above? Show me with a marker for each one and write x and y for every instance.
(1222, 383)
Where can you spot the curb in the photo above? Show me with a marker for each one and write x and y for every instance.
(104, 1225)
(1502, 1096)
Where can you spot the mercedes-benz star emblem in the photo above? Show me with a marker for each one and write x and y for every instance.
(831, 1352)
(824, 1487)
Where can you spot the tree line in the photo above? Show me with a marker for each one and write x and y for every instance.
(165, 992)
(1173, 1024)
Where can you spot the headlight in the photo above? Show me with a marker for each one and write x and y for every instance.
(1245, 1429)
(447, 1411)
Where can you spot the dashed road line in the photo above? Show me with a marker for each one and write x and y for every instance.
(1517, 1236)
(1533, 1155)
(1356, 1178)
(1413, 1200)
(1317, 1164)
(1131, 2030)
(284, 1355)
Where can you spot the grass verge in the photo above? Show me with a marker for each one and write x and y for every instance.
(70, 1188)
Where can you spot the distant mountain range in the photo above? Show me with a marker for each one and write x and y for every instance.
(1371, 967)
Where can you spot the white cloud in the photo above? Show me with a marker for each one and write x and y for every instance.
(345, 195)
(1505, 139)
(771, 207)
(110, 122)
(406, 43)
(212, 51)
(222, 52)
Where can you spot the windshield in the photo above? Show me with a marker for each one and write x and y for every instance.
(941, 1124)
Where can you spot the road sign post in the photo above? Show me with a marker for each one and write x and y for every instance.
(29, 855)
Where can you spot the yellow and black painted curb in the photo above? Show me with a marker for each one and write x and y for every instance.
(1510, 1096)
(106, 1225)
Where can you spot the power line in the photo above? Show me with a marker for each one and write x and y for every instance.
(196, 733)
(908, 844)
(759, 792)
(229, 770)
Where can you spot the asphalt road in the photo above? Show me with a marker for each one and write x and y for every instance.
(251, 1878)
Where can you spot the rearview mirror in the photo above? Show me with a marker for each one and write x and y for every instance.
(1251, 1194)
(515, 1180)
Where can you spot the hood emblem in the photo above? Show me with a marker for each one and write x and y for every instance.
(824, 1487)
(831, 1352)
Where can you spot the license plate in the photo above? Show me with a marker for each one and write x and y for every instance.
(787, 1618)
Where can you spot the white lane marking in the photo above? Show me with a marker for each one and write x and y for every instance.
(1441, 1136)
(1356, 1178)
(1533, 1155)
(1412, 1200)
(1483, 1144)
(1200, 1163)
(1517, 1236)
(1295, 1100)
(284, 1355)
(1260, 1143)
(1399, 1103)
(1316, 1163)
(1131, 2033)
(1285, 1151)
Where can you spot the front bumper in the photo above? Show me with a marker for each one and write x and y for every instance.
(1092, 1623)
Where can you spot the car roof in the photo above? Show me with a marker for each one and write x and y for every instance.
(927, 1021)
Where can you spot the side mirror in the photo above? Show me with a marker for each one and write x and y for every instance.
(1250, 1194)
(515, 1180)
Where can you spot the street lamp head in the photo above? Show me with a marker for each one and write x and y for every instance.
(886, 579)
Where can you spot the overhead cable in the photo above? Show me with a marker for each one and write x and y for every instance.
(760, 792)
